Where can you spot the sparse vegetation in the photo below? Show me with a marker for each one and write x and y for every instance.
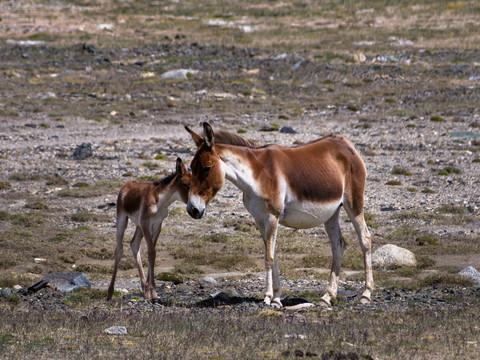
(397, 170)
(393, 183)
(448, 170)
(437, 118)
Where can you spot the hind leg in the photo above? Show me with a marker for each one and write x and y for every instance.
(135, 247)
(332, 227)
(358, 221)
(122, 222)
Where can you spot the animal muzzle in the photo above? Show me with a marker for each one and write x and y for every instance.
(194, 212)
(195, 206)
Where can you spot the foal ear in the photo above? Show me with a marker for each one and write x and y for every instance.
(208, 131)
(180, 167)
(196, 138)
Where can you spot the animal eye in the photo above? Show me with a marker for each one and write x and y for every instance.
(206, 170)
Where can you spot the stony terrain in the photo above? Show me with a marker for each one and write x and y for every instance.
(401, 88)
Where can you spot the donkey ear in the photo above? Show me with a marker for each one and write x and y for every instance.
(208, 131)
(196, 138)
(180, 168)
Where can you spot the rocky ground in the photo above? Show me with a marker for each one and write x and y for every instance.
(411, 111)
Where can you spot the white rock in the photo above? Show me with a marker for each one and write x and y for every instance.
(178, 74)
(116, 330)
(106, 27)
(295, 336)
(471, 273)
(209, 279)
(391, 256)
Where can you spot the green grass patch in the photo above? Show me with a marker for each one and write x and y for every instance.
(393, 183)
(170, 277)
(20, 176)
(31, 219)
(4, 185)
(397, 170)
(216, 259)
(216, 238)
(150, 165)
(4, 215)
(427, 239)
(451, 209)
(446, 280)
(353, 107)
(428, 191)
(437, 118)
(98, 189)
(448, 170)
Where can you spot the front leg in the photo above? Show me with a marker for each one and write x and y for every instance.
(268, 229)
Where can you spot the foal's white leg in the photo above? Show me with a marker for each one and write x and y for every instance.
(151, 271)
(337, 243)
(135, 247)
(277, 287)
(150, 292)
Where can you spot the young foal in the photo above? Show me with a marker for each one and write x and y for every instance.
(146, 204)
(299, 187)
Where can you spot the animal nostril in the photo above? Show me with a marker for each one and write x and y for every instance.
(192, 211)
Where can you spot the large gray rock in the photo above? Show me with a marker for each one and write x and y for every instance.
(391, 257)
(66, 282)
(82, 151)
(471, 273)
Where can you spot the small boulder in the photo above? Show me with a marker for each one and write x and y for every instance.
(208, 279)
(82, 151)
(116, 330)
(288, 130)
(391, 257)
(471, 273)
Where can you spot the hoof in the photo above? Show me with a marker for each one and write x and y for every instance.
(267, 300)
(364, 300)
(325, 303)
(276, 303)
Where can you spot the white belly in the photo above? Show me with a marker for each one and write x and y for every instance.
(305, 215)
(156, 218)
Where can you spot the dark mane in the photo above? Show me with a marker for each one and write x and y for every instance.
(166, 180)
(226, 137)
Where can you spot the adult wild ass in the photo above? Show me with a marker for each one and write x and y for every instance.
(146, 205)
(299, 187)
